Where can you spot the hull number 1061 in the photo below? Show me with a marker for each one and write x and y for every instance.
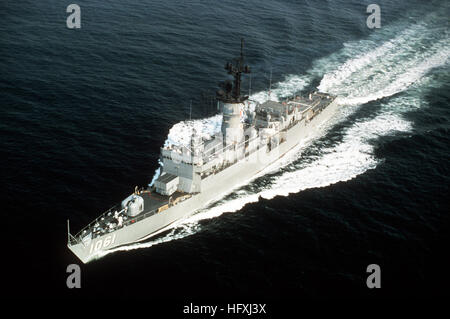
(102, 243)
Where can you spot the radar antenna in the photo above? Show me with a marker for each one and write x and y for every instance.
(232, 93)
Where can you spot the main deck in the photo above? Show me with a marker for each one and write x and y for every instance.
(108, 222)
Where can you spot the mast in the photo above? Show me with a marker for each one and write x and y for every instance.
(270, 83)
(190, 110)
(231, 91)
(250, 85)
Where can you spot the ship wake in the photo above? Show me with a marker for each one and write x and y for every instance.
(398, 59)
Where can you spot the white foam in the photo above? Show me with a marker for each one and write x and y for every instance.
(180, 133)
(178, 230)
(157, 173)
(390, 69)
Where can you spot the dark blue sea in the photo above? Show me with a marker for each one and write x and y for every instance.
(84, 112)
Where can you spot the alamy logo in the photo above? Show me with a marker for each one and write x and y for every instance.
(374, 280)
(74, 20)
(74, 279)
(373, 20)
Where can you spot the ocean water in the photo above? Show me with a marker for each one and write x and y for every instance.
(84, 113)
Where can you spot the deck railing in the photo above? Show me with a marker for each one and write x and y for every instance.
(89, 226)
(129, 221)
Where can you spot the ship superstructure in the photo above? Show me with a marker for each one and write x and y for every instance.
(205, 169)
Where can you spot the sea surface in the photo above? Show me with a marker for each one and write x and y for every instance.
(83, 114)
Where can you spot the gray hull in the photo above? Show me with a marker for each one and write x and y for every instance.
(213, 188)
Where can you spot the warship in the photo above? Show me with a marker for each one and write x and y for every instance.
(205, 169)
